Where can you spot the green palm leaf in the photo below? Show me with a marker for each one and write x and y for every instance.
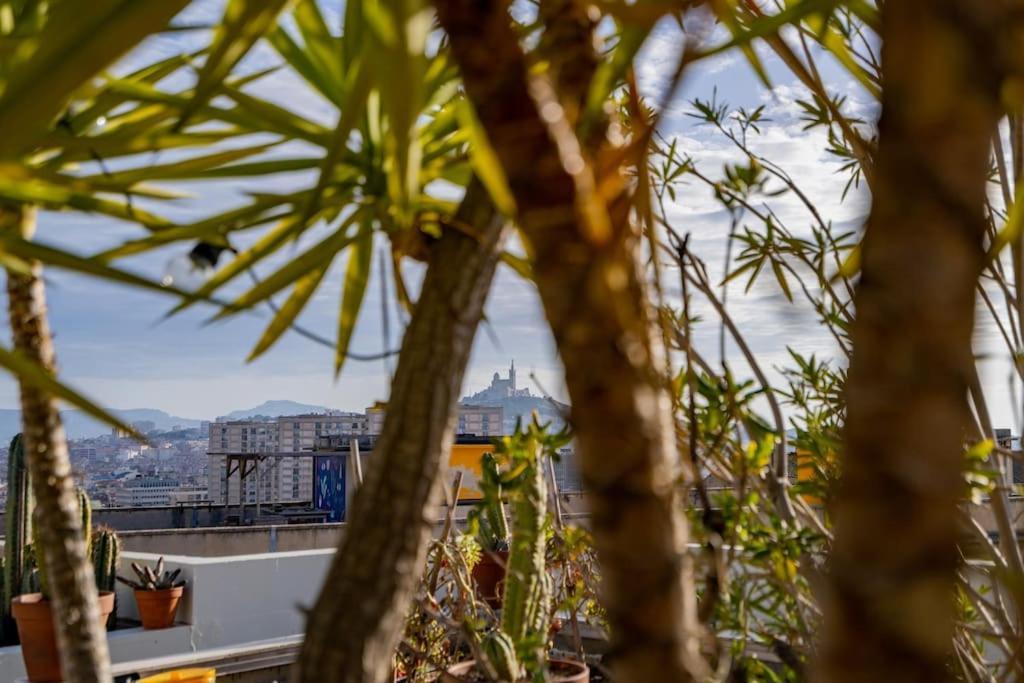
(357, 274)
(69, 50)
(244, 22)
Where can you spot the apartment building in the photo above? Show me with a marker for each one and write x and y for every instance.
(290, 479)
(473, 419)
(280, 479)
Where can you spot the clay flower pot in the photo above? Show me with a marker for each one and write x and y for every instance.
(39, 639)
(559, 671)
(157, 608)
(489, 576)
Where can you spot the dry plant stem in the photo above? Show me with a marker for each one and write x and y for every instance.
(356, 623)
(80, 633)
(594, 300)
(446, 531)
(780, 465)
(998, 498)
(889, 606)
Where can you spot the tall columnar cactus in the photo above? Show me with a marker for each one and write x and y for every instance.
(517, 649)
(524, 602)
(85, 510)
(106, 553)
(18, 516)
(42, 573)
(489, 517)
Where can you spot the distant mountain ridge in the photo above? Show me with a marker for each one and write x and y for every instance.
(276, 409)
(79, 425)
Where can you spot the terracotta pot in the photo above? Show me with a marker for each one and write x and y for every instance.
(559, 671)
(38, 639)
(157, 608)
(489, 576)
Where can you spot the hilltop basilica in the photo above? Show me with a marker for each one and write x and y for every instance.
(500, 389)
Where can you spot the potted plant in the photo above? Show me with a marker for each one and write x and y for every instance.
(34, 617)
(157, 594)
(489, 525)
(516, 648)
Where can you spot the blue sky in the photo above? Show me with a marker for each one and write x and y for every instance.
(113, 344)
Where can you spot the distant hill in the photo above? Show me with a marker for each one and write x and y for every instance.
(523, 407)
(276, 409)
(82, 426)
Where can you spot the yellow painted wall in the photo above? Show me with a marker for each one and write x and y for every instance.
(466, 457)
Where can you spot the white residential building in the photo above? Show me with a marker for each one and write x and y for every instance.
(146, 492)
(281, 479)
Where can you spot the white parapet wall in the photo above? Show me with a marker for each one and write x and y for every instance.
(240, 598)
(230, 602)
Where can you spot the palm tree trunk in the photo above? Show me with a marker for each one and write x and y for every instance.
(889, 611)
(80, 633)
(595, 301)
(357, 620)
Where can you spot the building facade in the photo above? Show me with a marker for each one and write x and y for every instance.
(473, 419)
(280, 479)
(146, 492)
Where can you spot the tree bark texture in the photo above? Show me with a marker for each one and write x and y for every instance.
(595, 301)
(355, 626)
(81, 636)
(889, 607)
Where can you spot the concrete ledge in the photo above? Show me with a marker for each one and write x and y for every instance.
(129, 644)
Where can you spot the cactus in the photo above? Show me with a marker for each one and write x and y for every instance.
(85, 510)
(19, 527)
(42, 575)
(153, 579)
(29, 580)
(106, 554)
(498, 652)
(489, 518)
(516, 650)
(106, 551)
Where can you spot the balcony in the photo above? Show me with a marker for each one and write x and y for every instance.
(240, 613)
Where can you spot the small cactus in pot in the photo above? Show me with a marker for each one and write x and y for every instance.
(157, 593)
(488, 524)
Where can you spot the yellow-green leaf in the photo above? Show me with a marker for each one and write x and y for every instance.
(485, 160)
(357, 274)
(70, 194)
(244, 22)
(74, 45)
(266, 245)
(33, 374)
(286, 314)
(28, 251)
(319, 253)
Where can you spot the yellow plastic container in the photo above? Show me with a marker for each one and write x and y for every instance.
(183, 676)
